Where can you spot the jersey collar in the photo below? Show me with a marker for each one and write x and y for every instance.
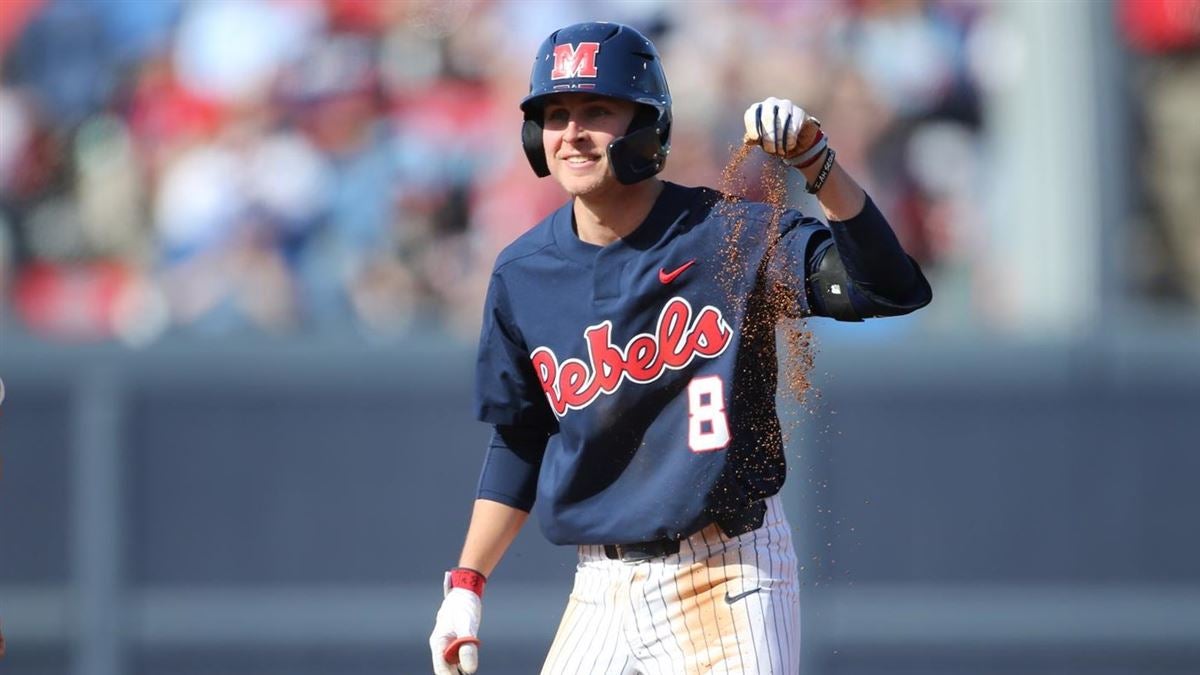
(670, 206)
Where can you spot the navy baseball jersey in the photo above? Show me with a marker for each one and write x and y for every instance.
(636, 361)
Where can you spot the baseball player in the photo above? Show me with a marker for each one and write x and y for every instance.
(633, 403)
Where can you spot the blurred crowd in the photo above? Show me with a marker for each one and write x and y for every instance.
(1164, 37)
(305, 166)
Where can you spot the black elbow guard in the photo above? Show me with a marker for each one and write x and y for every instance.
(836, 295)
(831, 286)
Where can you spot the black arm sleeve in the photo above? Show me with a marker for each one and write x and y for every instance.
(863, 271)
(510, 469)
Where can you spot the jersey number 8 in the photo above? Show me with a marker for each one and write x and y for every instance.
(708, 427)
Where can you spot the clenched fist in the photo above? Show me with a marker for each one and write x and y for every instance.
(783, 129)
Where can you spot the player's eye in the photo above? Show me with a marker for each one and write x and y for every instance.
(556, 118)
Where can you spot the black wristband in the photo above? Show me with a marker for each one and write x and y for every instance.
(815, 186)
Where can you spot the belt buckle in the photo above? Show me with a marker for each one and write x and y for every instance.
(635, 554)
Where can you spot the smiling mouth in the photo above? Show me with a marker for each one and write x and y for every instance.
(580, 161)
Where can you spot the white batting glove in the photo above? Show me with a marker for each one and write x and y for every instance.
(457, 626)
(783, 129)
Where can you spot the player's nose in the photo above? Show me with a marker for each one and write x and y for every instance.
(572, 131)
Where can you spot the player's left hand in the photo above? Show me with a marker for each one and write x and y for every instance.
(782, 128)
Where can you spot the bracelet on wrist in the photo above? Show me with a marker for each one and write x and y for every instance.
(819, 182)
(465, 577)
(812, 154)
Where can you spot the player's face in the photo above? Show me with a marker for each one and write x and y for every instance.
(576, 131)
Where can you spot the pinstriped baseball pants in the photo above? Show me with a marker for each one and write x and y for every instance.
(720, 605)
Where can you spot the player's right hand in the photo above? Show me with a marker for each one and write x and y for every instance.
(458, 618)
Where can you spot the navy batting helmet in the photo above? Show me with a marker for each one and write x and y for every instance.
(607, 59)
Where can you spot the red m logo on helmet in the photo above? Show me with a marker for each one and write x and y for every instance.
(575, 60)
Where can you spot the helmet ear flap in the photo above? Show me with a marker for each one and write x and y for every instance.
(535, 151)
(636, 156)
(642, 151)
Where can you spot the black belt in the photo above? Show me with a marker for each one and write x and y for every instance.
(644, 550)
(741, 522)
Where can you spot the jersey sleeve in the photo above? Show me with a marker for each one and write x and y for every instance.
(506, 389)
(800, 236)
(511, 467)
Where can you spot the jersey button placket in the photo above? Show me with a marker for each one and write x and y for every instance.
(606, 277)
